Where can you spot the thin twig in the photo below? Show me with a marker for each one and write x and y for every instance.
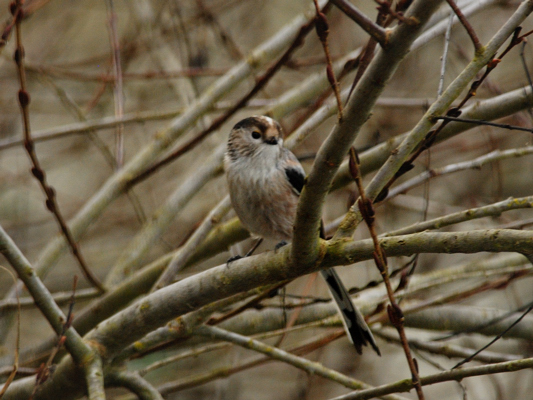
(281, 355)
(495, 339)
(394, 311)
(453, 375)
(491, 210)
(488, 123)
(218, 122)
(322, 30)
(477, 163)
(37, 171)
(373, 29)
(444, 57)
(466, 24)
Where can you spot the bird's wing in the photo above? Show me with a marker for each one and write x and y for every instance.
(294, 172)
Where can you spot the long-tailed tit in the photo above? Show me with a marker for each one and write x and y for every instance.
(265, 180)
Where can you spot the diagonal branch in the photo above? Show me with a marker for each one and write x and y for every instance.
(86, 357)
(374, 30)
(402, 153)
(37, 171)
(453, 375)
(466, 24)
(221, 282)
(306, 248)
(278, 354)
(134, 383)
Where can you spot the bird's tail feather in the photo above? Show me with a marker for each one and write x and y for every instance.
(354, 323)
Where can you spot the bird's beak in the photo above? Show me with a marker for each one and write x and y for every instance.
(271, 140)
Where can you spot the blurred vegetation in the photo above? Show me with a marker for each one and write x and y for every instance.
(172, 54)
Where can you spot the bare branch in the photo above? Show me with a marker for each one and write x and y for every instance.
(466, 24)
(374, 30)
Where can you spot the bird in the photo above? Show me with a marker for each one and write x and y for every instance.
(265, 180)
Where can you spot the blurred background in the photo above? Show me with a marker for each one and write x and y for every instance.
(170, 53)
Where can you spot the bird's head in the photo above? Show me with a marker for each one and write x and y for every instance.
(253, 136)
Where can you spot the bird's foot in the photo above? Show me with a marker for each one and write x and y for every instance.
(280, 245)
(231, 259)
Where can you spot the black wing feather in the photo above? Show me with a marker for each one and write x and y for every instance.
(296, 178)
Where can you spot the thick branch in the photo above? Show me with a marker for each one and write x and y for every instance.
(86, 357)
(330, 156)
(134, 383)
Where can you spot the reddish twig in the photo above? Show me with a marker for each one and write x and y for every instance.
(374, 30)
(322, 30)
(19, 12)
(385, 8)
(393, 309)
(37, 171)
(368, 52)
(466, 24)
(217, 123)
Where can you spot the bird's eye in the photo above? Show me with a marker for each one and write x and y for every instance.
(256, 135)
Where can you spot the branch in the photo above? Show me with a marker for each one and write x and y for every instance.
(453, 375)
(393, 164)
(451, 350)
(224, 372)
(307, 225)
(112, 121)
(374, 30)
(118, 93)
(468, 319)
(491, 210)
(466, 24)
(182, 256)
(490, 109)
(308, 366)
(134, 383)
(477, 163)
(479, 122)
(86, 357)
(37, 171)
(380, 259)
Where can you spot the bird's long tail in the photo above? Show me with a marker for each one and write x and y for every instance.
(358, 331)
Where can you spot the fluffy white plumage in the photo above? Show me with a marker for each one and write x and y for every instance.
(264, 178)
